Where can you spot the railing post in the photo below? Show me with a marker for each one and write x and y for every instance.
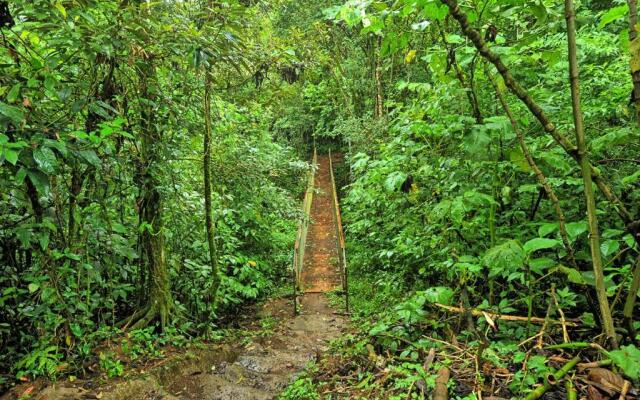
(301, 236)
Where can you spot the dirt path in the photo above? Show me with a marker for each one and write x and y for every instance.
(279, 347)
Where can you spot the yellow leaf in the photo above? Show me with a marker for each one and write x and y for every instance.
(68, 340)
(409, 57)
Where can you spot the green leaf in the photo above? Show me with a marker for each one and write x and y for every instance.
(33, 287)
(609, 247)
(61, 9)
(575, 229)
(11, 156)
(573, 275)
(613, 14)
(548, 228)
(627, 358)
(46, 159)
(517, 157)
(631, 179)
(503, 258)
(50, 83)
(14, 93)
(91, 157)
(13, 113)
(453, 38)
(394, 181)
(539, 244)
(379, 328)
(39, 180)
(439, 294)
(540, 12)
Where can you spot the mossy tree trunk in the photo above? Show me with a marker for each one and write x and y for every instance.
(152, 244)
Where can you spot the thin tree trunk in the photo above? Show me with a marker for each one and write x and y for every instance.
(517, 89)
(583, 159)
(379, 111)
(538, 172)
(208, 208)
(630, 303)
(468, 88)
(634, 47)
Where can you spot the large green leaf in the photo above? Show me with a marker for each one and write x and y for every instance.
(394, 181)
(439, 294)
(14, 114)
(548, 228)
(504, 257)
(575, 229)
(46, 159)
(11, 156)
(627, 358)
(39, 180)
(573, 275)
(539, 244)
(613, 14)
(608, 247)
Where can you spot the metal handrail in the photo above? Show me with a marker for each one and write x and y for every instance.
(342, 253)
(303, 229)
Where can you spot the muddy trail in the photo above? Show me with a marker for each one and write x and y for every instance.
(277, 348)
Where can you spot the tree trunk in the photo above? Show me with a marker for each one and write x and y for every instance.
(583, 159)
(152, 246)
(208, 209)
(379, 111)
(630, 302)
(634, 47)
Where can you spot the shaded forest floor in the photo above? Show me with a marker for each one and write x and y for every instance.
(271, 349)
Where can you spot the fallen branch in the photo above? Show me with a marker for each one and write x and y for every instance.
(479, 313)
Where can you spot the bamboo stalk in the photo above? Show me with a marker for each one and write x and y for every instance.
(552, 380)
(572, 393)
(583, 160)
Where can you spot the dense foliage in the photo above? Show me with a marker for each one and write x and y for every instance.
(447, 205)
(101, 144)
(463, 187)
